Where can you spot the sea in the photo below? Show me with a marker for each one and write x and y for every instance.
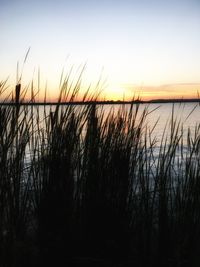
(158, 120)
(159, 116)
(158, 123)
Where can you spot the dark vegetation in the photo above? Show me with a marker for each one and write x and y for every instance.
(80, 187)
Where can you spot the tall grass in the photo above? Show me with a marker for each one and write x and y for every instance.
(81, 186)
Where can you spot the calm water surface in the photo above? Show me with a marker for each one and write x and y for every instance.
(160, 114)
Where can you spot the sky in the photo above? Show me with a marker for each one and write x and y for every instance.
(146, 47)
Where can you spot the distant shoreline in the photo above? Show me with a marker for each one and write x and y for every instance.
(109, 102)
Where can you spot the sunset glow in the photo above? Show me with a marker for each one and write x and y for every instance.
(143, 48)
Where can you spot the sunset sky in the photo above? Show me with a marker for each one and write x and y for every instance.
(146, 47)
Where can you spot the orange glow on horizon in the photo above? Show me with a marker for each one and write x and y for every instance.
(114, 92)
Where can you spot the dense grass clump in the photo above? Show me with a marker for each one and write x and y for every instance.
(85, 187)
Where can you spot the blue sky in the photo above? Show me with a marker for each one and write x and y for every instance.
(141, 45)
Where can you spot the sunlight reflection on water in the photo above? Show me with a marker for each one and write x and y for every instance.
(159, 114)
(187, 114)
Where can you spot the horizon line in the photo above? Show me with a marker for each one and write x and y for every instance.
(106, 102)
